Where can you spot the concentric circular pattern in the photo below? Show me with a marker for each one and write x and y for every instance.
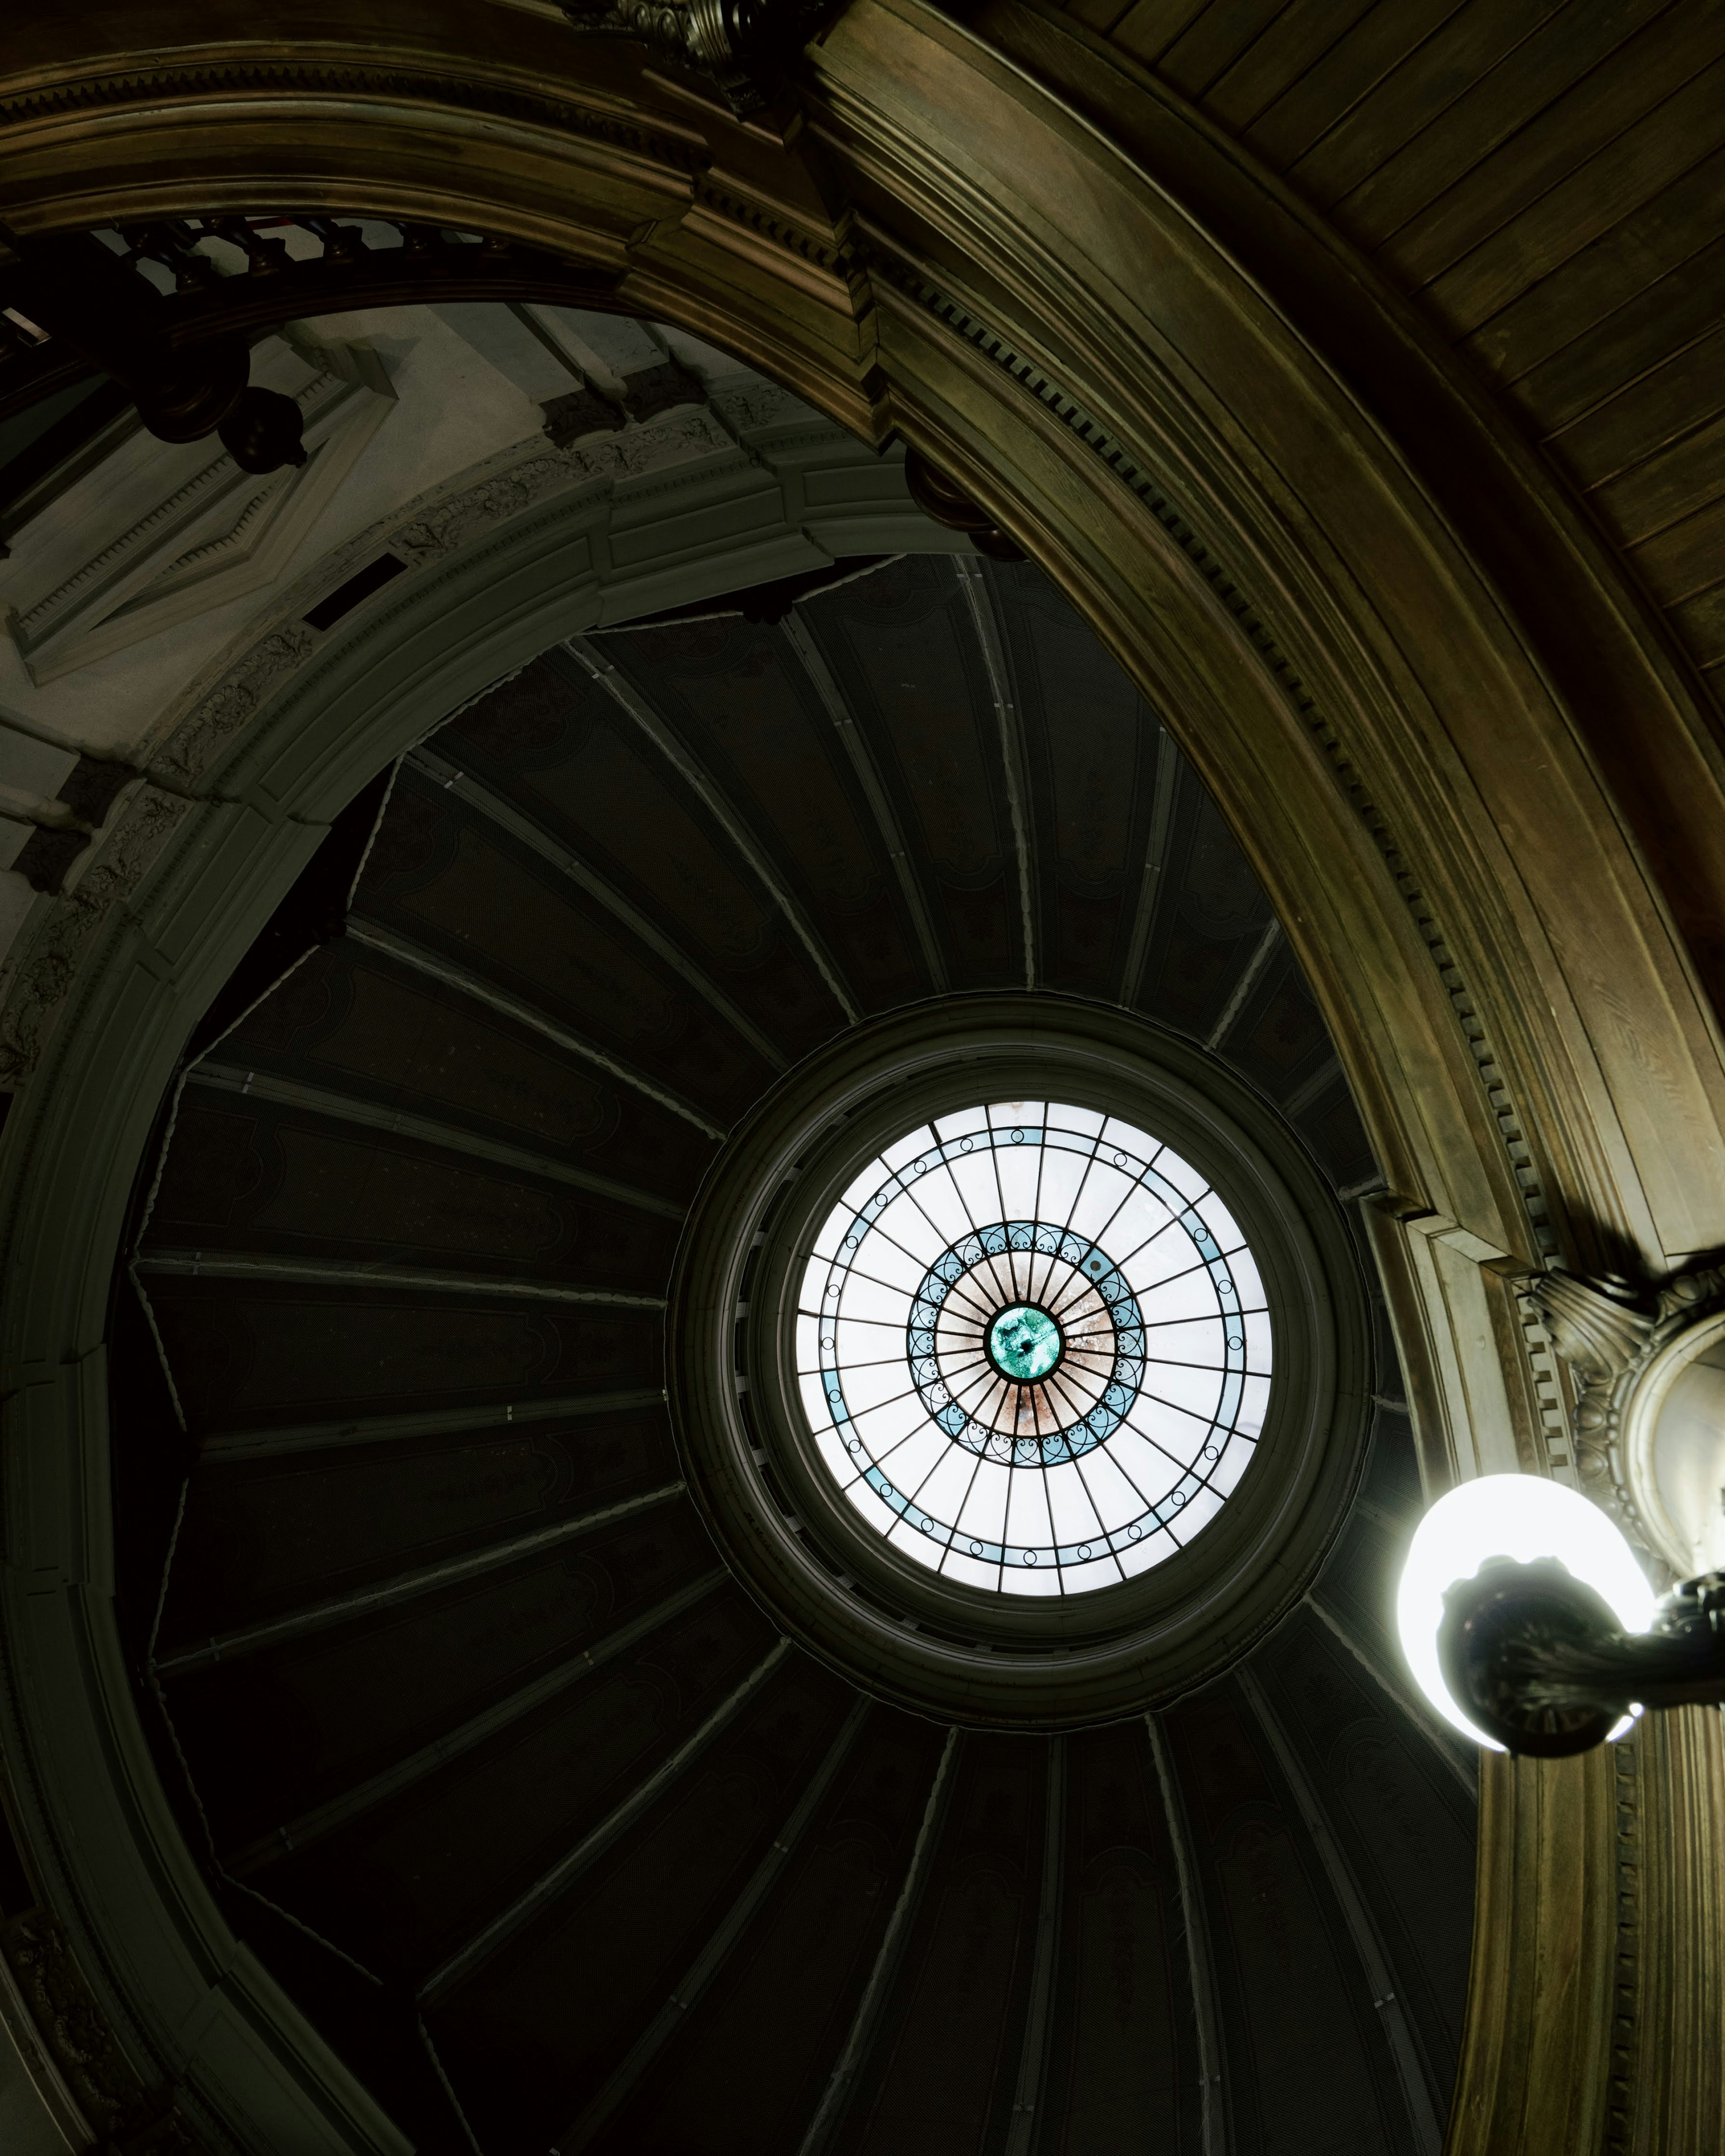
(1033, 1348)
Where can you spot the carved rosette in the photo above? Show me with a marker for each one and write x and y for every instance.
(1617, 1341)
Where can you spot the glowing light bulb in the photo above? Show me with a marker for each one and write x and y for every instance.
(1524, 1517)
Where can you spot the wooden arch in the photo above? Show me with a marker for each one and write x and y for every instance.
(1481, 789)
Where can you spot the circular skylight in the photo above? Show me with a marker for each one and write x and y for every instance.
(1033, 1348)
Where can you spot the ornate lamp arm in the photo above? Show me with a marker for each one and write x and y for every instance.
(1538, 1662)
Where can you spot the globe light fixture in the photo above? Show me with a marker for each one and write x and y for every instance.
(1529, 1623)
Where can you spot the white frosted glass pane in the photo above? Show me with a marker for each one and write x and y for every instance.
(970, 1571)
(1191, 1294)
(832, 1455)
(1027, 1511)
(1125, 1476)
(1084, 1123)
(967, 1120)
(808, 1339)
(1202, 1340)
(863, 1186)
(909, 1463)
(889, 1266)
(1139, 1557)
(867, 1298)
(1225, 1475)
(973, 1178)
(938, 1197)
(1183, 1176)
(921, 1140)
(1248, 1282)
(1030, 1580)
(880, 1517)
(1220, 1221)
(1141, 1216)
(1119, 1136)
(1128, 1152)
(916, 1545)
(1200, 1510)
(1073, 1515)
(815, 1403)
(832, 1232)
(1258, 1354)
(873, 1382)
(1196, 1391)
(1017, 1167)
(1010, 1115)
(1086, 1578)
(914, 1241)
(862, 1339)
(984, 1515)
(1106, 1190)
(1173, 1427)
(944, 1490)
(1254, 1399)
(1062, 1172)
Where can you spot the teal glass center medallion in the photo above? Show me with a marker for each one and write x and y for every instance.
(1024, 1343)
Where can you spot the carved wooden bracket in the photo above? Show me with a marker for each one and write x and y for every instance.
(1615, 1343)
(744, 47)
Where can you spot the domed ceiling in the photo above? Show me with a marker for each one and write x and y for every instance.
(493, 1759)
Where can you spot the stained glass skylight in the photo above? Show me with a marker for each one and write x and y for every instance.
(1033, 1348)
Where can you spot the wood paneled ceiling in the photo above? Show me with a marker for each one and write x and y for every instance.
(1546, 184)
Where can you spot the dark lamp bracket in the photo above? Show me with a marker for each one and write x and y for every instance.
(1537, 1659)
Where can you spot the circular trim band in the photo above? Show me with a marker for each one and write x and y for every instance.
(827, 1576)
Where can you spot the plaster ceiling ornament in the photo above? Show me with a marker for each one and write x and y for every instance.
(1649, 1414)
(202, 529)
(742, 46)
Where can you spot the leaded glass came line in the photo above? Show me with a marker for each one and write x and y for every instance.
(1033, 1348)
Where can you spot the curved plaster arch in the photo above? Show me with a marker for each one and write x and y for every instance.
(262, 757)
(1479, 787)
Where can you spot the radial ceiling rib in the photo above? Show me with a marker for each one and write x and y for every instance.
(568, 1867)
(394, 1781)
(404, 1586)
(1244, 986)
(1401, 1697)
(238, 1445)
(712, 1956)
(1200, 1962)
(1318, 1084)
(1032, 2056)
(797, 634)
(624, 693)
(407, 953)
(423, 1130)
(354, 1272)
(1409, 2066)
(980, 600)
(450, 778)
(833, 2098)
(1167, 778)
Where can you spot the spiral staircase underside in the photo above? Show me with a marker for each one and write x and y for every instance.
(495, 1765)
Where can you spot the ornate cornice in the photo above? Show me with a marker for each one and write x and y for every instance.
(1611, 1333)
(598, 120)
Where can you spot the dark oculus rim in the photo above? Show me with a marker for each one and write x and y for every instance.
(831, 1581)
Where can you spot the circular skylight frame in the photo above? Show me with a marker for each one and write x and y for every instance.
(828, 1578)
(1144, 1347)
